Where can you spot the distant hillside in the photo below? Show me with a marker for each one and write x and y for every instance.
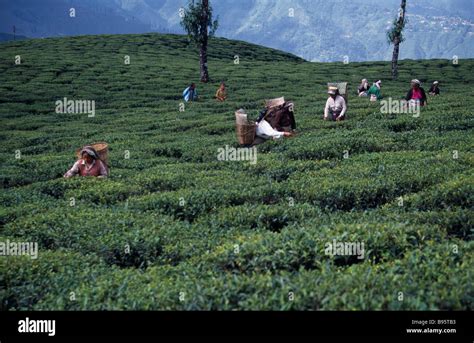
(47, 18)
(319, 30)
(8, 37)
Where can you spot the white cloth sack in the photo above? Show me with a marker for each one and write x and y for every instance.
(266, 131)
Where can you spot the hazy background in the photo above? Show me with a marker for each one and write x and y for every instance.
(320, 30)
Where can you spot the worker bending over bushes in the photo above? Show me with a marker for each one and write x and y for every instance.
(190, 93)
(375, 92)
(416, 94)
(221, 94)
(276, 120)
(363, 88)
(434, 89)
(336, 107)
(89, 165)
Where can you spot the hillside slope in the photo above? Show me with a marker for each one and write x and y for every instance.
(174, 228)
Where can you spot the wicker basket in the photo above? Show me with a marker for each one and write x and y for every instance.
(246, 133)
(102, 149)
(275, 102)
(244, 129)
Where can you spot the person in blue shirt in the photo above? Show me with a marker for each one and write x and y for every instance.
(190, 93)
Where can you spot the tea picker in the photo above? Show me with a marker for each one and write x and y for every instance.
(92, 161)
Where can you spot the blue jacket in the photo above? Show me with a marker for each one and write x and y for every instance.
(190, 95)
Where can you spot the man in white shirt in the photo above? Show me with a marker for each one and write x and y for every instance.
(336, 108)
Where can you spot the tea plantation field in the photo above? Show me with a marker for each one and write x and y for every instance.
(175, 228)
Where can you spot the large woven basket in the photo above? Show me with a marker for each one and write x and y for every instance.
(274, 102)
(246, 133)
(244, 129)
(102, 149)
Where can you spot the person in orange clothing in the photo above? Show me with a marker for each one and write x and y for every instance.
(221, 94)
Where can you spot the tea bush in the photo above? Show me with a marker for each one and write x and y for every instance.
(190, 289)
(25, 282)
(120, 237)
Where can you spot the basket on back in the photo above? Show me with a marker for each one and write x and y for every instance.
(269, 104)
(102, 149)
(342, 87)
(244, 128)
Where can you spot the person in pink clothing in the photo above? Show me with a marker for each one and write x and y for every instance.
(89, 165)
(416, 93)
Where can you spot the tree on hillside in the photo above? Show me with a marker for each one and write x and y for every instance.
(395, 37)
(197, 21)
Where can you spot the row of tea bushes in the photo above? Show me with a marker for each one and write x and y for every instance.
(122, 237)
(47, 283)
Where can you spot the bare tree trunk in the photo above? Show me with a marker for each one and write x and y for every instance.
(396, 51)
(203, 63)
(203, 46)
(397, 40)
